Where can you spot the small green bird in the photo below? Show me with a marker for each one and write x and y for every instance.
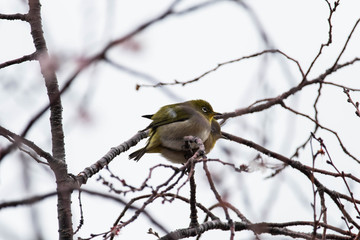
(173, 122)
(182, 156)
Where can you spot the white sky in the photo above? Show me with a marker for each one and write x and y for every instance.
(181, 48)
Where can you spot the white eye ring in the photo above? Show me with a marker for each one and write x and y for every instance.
(204, 109)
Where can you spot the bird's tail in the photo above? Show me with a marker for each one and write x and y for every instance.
(137, 154)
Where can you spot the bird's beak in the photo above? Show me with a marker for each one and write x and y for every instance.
(217, 115)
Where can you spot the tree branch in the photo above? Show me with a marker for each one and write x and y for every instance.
(22, 59)
(183, 83)
(88, 172)
(272, 229)
(26, 201)
(15, 16)
(63, 181)
(18, 140)
(334, 195)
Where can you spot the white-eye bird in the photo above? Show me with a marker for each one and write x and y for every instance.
(182, 156)
(173, 122)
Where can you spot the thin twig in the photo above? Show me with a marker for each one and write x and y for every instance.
(334, 195)
(18, 141)
(329, 40)
(355, 104)
(323, 127)
(22, 59)
(88, 172)
(16, 16)
(193, 212)
(183, 83)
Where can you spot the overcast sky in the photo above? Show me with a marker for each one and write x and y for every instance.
(102, 108)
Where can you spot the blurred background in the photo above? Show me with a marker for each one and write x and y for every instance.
(103, 106)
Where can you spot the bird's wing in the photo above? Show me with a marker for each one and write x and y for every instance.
(169, 114)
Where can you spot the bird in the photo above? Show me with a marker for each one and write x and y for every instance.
(176, 156)
(171, 123)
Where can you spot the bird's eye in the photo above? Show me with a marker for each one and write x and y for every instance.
(204, 109)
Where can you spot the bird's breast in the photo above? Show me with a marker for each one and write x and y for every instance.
(172, 134)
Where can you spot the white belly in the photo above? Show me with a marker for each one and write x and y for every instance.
(173, 134)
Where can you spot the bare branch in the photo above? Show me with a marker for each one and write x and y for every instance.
(329, 40)
(270, 102)
(176, 82)
(355, 104)
(16, 16)
(26, 201)
(346, 43)
(18, 141)
(193, 211)
(128, 205)
(22, 59)
(336, 175)
(109, 156)
(323, 127)
(142, 75)
(102, 54)
(58, 167)
(273, 229)
(219, 199)
(304, 170)
(330, 161)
